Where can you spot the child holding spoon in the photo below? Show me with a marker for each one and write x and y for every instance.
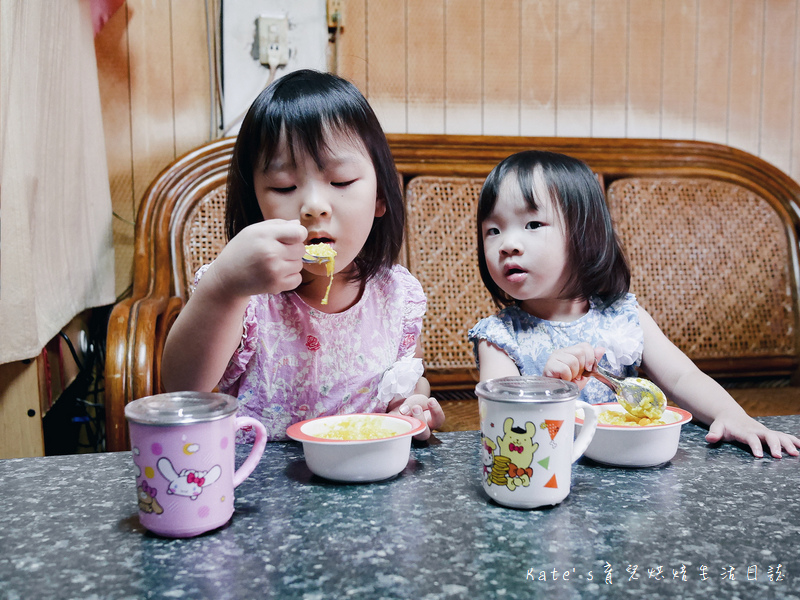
(311, 165)
(548, 254)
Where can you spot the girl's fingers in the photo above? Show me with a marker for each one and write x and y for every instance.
(418, 413)
(437, 414)
(755, 444)
(790, 444)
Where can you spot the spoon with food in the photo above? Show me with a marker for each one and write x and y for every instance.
(640, 397)
(322, 254)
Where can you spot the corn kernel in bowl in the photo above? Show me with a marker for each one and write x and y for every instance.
(615, 416)
(356, 429)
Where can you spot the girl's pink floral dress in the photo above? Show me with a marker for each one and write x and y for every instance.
(296, 363)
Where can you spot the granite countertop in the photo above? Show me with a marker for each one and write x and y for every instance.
(714, 522)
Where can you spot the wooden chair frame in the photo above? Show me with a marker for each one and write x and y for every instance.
(138, 325)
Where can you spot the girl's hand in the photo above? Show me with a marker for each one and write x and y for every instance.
(573, 363)
(264, 258)
(738, 426)
(420, 407)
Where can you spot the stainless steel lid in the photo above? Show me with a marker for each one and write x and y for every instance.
(180, 408)
(527, 388)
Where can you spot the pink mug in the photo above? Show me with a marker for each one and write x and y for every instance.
(183, 446)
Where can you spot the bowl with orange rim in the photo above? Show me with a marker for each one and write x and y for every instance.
(621, 441)
(358, 447)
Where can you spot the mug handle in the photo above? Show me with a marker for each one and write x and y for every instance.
(587, 430)
(259, 445)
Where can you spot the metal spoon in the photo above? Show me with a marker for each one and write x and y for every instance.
(312, 260)
(640, 397)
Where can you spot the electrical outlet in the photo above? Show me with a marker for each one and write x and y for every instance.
(335, 14)
(273, 41)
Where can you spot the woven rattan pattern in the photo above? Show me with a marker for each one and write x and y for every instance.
(443, 256)
(204, 234)
(709, 262)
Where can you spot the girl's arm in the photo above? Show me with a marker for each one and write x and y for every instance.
(494, 363)
(263, 258)
(204, 337)
(420, 404)
(690, 388)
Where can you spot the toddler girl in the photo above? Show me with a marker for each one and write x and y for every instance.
(549, 256)
(310, 165)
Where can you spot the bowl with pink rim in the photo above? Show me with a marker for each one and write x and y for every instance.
(633, 445)
(359, 447)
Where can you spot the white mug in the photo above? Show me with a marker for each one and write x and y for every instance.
(527, 445)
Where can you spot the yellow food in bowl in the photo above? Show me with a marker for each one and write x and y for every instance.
(357, 429)
(324, 251)
(613, 417)
(652, 402)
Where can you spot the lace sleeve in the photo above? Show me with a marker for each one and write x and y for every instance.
(413, 311)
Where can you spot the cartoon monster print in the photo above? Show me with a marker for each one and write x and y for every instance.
(147, 499)
(188, 482)
(516, 449)
(487, 455)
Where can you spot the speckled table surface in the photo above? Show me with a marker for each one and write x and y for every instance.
(712, 523)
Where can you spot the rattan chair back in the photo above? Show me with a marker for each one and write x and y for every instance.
(442, 254)
(710, 262)
(199, 238)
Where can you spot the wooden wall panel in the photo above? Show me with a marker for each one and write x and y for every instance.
(191, 103)
(501, 69)
(386, 69)
(111, 49)
(610, 69)
(152, 115)
(713, 68)
(463, 79)
(794, 162)
(426, 69)
(645, 65)
(351, 52)
(779, 67)
(679, 69)
(152, 62)
(747, 55)
(574, 68)
(539, 24)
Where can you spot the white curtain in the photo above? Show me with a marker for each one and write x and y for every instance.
(56, 247)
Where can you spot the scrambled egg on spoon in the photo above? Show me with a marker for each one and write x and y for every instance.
(322, 253)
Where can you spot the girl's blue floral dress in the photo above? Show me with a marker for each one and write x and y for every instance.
(529, 341)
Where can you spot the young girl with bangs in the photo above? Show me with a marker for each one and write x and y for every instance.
(310, 165)
(548, 254)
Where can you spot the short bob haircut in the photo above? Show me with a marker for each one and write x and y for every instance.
(596, 262)
(308, 107)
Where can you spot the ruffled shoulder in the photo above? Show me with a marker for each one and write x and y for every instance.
(200, 272)
(404, 285)
(497, 329)
(247, 347)
(627, 305)
(621, 334)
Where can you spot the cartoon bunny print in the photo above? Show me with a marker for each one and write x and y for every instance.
(189, 482)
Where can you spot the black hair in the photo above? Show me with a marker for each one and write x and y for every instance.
(596, 262)
(307, 107)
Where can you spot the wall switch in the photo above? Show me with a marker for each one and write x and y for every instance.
(273, 41)
(335, 14)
